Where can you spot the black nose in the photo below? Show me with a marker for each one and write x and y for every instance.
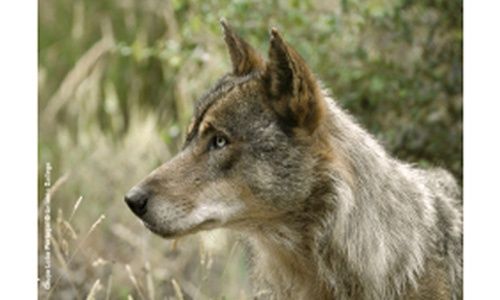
(137, 200)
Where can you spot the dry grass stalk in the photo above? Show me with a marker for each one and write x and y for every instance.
(77, 249)
(68, 228)
(149, 281)
(101, 217)
(76, 75)
(108, 288)
(174, 244)
(60, 257)
(135, 282)
(177, 288)
(93, 291)
(75, 207)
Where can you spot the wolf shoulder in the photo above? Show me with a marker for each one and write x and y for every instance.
(443, 185)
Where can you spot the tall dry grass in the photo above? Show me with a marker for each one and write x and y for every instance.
(112, 256)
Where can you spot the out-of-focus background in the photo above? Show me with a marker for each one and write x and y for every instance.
(117, 83)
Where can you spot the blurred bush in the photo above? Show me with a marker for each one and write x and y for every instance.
(118, 79)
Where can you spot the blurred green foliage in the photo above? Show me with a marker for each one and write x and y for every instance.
(395, 64)
(118, 80)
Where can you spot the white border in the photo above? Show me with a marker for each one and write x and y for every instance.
(18, 156)
(482, 151)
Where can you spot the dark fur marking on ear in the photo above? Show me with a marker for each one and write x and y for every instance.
(291, 87)
(243, 56)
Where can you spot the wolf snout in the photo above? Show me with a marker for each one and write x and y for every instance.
(137, 201)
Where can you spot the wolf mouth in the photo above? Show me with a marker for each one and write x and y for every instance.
(169, 233)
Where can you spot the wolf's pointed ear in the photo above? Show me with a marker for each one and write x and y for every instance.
(243, 57)
(293, 90)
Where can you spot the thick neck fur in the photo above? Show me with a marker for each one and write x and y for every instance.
(354, 234)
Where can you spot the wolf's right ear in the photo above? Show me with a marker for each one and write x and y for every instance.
(243, 57)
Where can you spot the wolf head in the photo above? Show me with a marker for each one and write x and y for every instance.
(251, 151)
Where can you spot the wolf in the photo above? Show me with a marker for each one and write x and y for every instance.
(326, 211)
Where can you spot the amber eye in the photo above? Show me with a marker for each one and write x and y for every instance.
(218, 142)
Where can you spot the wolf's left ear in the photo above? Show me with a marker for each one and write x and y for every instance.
(243, 57)
(293, 90)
